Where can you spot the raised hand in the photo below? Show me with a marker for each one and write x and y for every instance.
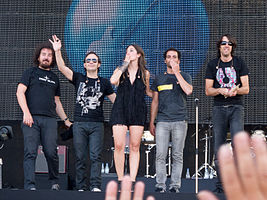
(125, 194)
(244, 172)
(56, 42)
(175, 66)
(127, 58)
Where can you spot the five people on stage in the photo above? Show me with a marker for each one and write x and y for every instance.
(38, 96)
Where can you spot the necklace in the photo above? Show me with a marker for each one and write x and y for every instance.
(97, 83)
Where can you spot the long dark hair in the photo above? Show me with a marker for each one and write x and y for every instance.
(141, 61)
(231, 39)
(45, 45)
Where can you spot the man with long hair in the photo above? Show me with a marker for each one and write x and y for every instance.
(38, 96)
(227, 81)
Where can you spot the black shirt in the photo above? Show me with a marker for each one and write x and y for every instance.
(233, 70)
(42, 87)
(90, 93)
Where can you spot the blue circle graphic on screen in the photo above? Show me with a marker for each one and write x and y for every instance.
(108, 27)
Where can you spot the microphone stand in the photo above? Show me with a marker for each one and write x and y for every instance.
(1, 175)
(196, 160)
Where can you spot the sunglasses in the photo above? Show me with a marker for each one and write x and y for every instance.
(91, 59)
(229, 43)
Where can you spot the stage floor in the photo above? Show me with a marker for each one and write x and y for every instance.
(187, 191)
(188, 185)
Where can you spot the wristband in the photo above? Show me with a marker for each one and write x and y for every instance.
(65, 119)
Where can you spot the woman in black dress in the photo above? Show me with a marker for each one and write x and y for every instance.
(129, 110)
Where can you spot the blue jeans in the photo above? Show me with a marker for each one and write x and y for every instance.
(224, 117)
(88, 134)
(44, 132)
(177, 131)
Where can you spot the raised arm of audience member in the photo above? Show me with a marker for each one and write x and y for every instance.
(125, 194)
(244, 172)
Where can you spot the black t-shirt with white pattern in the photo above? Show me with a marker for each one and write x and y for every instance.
(90, 94)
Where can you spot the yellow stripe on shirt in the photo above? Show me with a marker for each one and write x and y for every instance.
(165, 87)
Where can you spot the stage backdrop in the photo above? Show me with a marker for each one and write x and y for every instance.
(108, 27)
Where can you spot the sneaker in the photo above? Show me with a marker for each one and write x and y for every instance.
(33, 189)
(95, 189)
(160, 190)
(81, 190)
(174, 190)
(55, 187)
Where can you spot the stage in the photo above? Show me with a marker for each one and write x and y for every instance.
(187, 191)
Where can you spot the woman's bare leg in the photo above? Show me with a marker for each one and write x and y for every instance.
(136, 133)
(119, 135)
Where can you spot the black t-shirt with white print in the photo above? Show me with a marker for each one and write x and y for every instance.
(90, 94)
(233, 70)
(42, 87)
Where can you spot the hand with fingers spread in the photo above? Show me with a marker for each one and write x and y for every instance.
(56, 42)
(243, 175)
(125, 194)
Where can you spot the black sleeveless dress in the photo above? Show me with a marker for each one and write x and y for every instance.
(129, 107)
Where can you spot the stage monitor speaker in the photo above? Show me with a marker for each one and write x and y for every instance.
(41, 164)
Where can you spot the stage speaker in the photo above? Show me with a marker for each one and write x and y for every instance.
(41, 164)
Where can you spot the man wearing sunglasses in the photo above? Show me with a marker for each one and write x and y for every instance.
(227, 81)
(88, 127)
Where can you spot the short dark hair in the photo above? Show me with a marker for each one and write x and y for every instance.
(44, 45)
(92, 52)
(172, 49)
(98, 58)
(231, 39)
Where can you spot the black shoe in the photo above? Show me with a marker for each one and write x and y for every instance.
(160, 190)
(174, 190)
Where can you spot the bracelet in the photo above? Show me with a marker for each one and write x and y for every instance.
(65, 119)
